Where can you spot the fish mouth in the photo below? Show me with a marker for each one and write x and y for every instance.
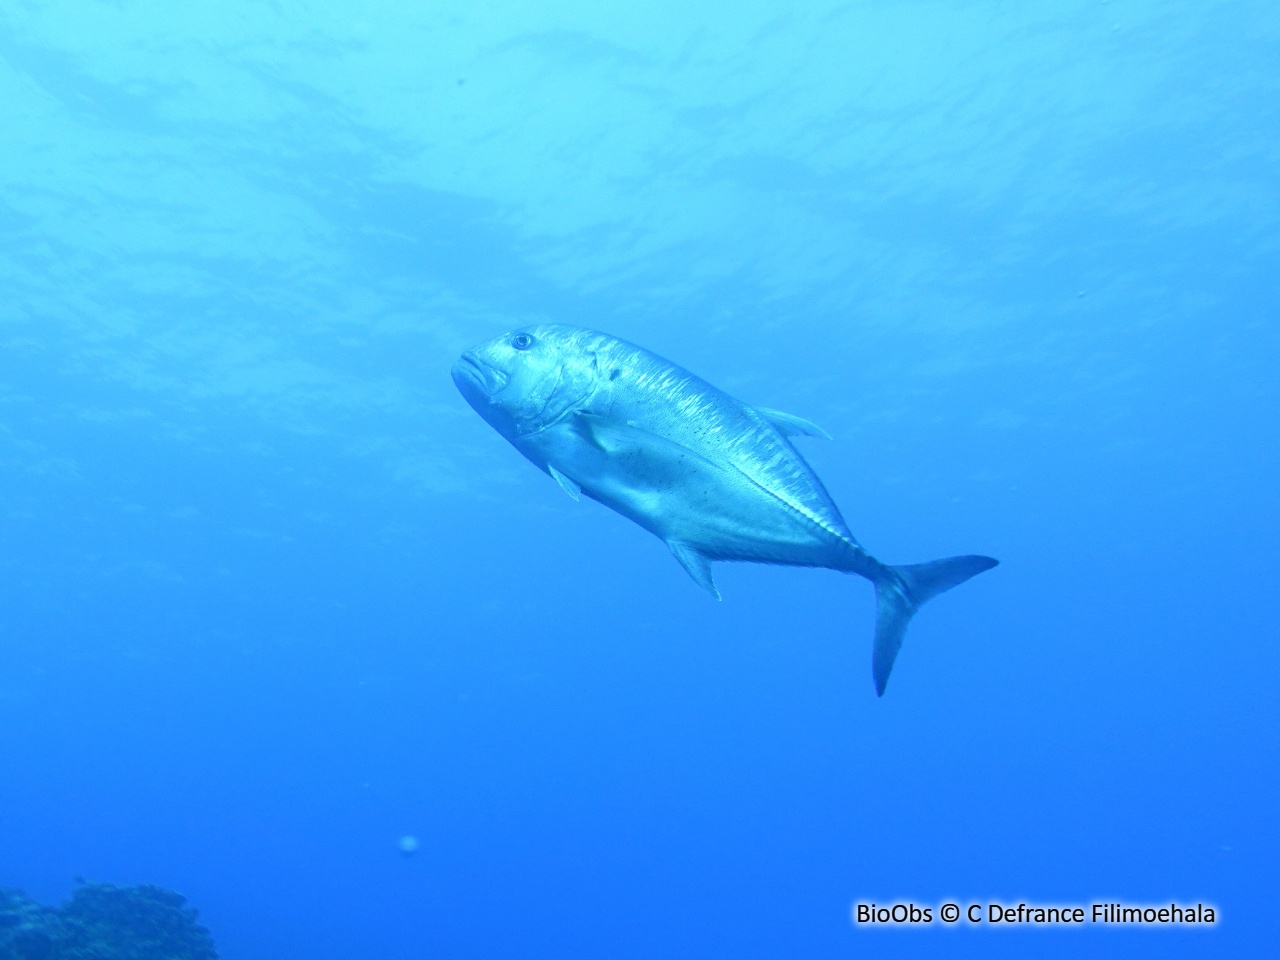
(470, 370)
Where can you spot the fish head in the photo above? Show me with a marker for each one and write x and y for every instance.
(526, 380)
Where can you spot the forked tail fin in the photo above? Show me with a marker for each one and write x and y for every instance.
(901, 592)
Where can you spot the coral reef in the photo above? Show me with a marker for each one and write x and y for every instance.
(103, 922)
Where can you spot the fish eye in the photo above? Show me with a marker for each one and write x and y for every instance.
(522, 341)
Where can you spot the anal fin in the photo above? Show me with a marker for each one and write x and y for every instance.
(567, 485)
(696, 565)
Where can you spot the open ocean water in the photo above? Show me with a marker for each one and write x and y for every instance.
(273, 598)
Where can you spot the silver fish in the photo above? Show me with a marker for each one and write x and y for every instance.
(713, 478)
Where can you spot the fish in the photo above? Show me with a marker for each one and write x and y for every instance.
(714, 478)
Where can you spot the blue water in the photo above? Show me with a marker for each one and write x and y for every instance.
(273, 597)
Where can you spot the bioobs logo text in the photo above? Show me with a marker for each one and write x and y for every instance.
(896, 913)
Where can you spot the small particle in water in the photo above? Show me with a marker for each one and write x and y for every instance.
(409, 845)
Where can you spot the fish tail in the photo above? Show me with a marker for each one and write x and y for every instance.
(901, 591)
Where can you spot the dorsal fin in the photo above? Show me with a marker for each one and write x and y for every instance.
(792, 426)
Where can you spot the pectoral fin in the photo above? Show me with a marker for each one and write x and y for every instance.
(623, 440)
(792, 426)
(567, 485)
(698, 566)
